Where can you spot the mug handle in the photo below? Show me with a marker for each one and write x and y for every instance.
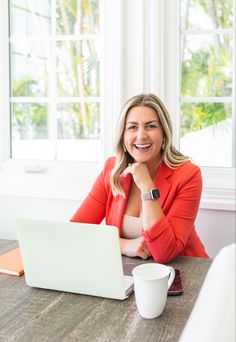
(171, 276)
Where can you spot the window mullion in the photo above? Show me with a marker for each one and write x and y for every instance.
(4, 83)
(207, 32)
(206, 99)
(52, 106)
(234, 92)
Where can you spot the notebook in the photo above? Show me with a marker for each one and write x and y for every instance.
(73, 257)
(11, 263)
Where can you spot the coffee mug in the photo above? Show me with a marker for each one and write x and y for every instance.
(151, 284)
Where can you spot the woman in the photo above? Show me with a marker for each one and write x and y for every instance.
(149, 191)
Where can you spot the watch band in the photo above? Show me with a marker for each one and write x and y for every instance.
(151, 195)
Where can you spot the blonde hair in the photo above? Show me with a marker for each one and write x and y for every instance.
(170, 155)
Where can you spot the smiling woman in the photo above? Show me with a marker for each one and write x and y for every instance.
(144, 117)
(143, 136)
(149, 191)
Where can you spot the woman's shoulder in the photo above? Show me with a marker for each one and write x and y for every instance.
(188, 172)
(182, 172)
(109, 163)
(108, 167)
(183, 168)
(188, 167)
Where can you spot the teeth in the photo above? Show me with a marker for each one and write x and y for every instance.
(142, 146)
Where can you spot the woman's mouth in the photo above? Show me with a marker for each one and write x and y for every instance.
(142, 147)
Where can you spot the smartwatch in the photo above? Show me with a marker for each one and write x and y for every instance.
(151, 195)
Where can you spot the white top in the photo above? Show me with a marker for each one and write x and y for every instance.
(131, 227)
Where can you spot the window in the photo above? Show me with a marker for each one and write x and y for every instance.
(151, 51)
(65, 94)
(207, 112)
(55, 79)
(191, 66)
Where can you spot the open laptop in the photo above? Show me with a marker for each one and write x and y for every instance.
(73, 257)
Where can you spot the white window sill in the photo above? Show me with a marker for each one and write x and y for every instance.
(51, 180)
(224, 200)
(72, 181)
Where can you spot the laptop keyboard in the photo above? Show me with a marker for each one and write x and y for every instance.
(129, 284)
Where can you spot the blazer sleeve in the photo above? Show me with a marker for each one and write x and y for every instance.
(169, 235)
(93, 208)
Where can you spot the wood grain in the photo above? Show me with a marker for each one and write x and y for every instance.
(32, 314)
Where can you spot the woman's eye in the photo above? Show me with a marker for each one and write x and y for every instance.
(131, 128)
(151, 126)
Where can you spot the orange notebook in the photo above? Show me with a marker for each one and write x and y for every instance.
(11, 263)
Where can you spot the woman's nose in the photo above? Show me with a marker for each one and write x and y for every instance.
(141, 133)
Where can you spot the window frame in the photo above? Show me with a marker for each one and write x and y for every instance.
(160, 74)
(128, 70)
(63, 179)
(218, 182)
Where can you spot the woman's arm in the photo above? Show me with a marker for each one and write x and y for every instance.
(166, 234)
(168, 237)
(93, 208)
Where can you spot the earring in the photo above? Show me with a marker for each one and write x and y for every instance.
(124, 148)
(163, 144)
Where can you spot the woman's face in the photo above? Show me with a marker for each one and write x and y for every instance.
(143, 135)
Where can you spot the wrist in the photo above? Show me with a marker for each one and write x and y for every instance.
(146, 187)
(153, 194)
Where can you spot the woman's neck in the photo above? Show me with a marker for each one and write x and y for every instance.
(153, 168)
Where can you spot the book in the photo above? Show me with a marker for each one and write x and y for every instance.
(11, 263)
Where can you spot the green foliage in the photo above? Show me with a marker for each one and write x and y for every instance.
(30, 120)
(200, 115)
(24, 86)
(206, 68)
(72, 124)
(205, 71)
(78, 75)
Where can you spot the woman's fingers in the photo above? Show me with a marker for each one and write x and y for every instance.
(143, 255)
(135, 247)
(127, 170)
(143, 251)
(145, 248)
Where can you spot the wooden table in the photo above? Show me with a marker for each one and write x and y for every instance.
(31, 314)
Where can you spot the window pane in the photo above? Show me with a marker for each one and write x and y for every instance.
(29, 121)
(78, 68)
(79, 149)
(79, 121)
(61, 73)
(206, 14)
(206, 133)
(207, 129)
(29, 68)
(30, 18)
(206, 65)
(77, 17)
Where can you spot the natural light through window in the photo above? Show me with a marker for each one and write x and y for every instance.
(207, 111)
(55, 80)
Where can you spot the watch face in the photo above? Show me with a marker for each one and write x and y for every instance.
(155, 193)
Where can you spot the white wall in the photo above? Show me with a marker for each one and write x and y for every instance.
(24, 207)
(215, 227)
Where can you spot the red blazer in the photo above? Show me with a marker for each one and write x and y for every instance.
(174, 233)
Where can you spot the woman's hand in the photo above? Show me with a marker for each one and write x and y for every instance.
(135, 247)
(141, 175)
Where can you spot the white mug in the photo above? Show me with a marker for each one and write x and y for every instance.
(151, 284)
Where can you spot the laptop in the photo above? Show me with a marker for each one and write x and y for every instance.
(73, 257)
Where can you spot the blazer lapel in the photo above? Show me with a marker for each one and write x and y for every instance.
(120, 202)
(162, 183)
